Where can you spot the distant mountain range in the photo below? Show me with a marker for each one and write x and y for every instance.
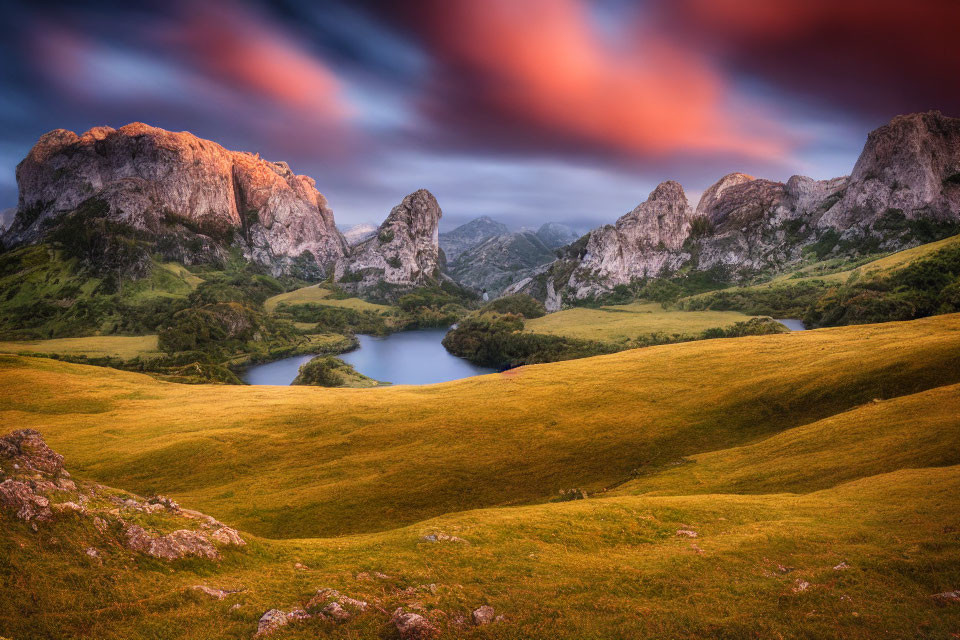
(904, 190)
(485, 255)
(190, 200)
(358, 233)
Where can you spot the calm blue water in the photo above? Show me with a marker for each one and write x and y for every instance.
(792, 324)
(408, 357)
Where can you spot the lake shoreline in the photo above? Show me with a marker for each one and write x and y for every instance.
(414, 357)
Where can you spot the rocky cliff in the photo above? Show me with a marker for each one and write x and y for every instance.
(196, 194)
(910, 166)
(405, 251)
(643, 243)
(904, 190)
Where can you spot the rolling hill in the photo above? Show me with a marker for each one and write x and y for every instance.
(794, 485)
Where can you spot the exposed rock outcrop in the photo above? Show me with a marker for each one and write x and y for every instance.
(172, 546)
(904, 190)
(483, 615)
(405, 252)
(643, 243)
(37, 489)
(193, 193)
(709, 205)
(911, 165)
(413, 626)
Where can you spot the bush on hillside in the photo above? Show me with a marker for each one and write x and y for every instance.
(519, 304)
(251, 289)
(922, 288)
(216, 326)
(497, 340)
(331, 319)
(752, 327)
(322, 371)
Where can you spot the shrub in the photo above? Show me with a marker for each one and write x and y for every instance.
(497, 340)
(518, 304)
(700, 226)
(335, 319)
(752, 327)
(321, 371)
(210, 327)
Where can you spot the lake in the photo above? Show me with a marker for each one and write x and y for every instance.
(407, 357)
(792, 324)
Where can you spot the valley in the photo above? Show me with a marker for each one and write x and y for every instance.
(774, 470)
(277, 429)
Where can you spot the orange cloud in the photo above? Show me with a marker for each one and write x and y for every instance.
(241, 49)
(544, 62)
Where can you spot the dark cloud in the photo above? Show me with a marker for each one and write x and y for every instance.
(876, 57)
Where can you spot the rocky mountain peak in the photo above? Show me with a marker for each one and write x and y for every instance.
(707, 207)
(910, 167)
(469, 235)
(176, 186)
(555, 235)
(670, 190)
(405, 250)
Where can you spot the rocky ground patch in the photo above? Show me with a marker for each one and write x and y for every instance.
(37, 489)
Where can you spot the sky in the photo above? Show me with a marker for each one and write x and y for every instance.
(527, 111)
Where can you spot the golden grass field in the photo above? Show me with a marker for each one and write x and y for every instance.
(125, 347)
(788, 454)
(881, 265)
(320, 295)
(618, 323)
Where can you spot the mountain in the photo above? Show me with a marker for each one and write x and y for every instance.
(143, 190)
(470, 235)
(191, 196)
(904, 190)
(405, 250)
(499, 261)
(358, 233)
(910, 166)
(555, 235)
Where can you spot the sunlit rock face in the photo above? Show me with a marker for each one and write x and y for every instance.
(642, 243)
(176, 185)
(404, 252)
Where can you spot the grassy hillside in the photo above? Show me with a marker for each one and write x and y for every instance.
(598, 568)
(124, 347)
(856, 552)
(321, 295)
(308, 461)
(624, 322)
(914, 283)
(918, 430)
